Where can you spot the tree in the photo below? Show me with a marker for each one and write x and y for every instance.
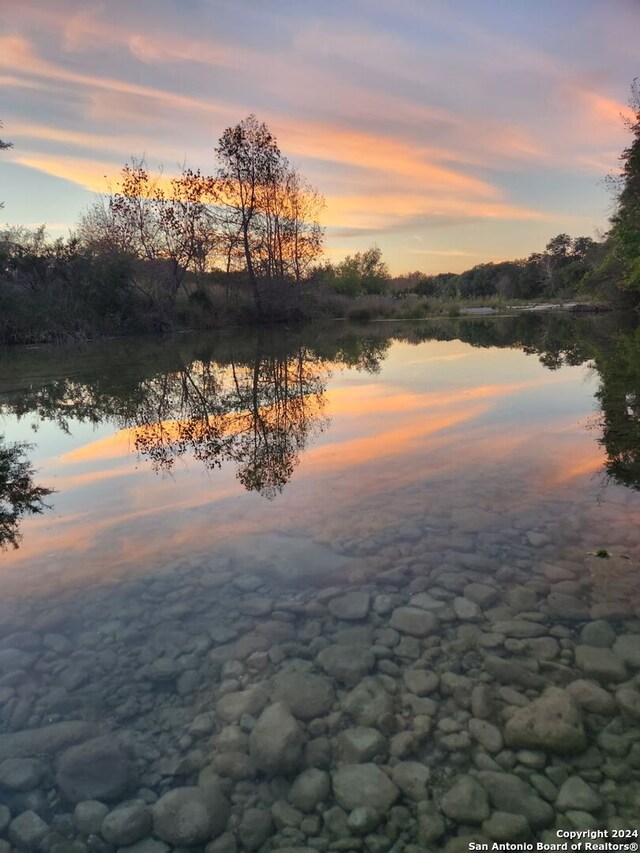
(269, 212)
(19, 495)
(625, 233)
(168, 225)
(3, 146)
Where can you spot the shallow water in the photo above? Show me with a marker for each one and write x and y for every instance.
(341, 585)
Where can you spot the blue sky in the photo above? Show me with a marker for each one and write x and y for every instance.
(447, 133)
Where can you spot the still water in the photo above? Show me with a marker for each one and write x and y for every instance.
(369, 588)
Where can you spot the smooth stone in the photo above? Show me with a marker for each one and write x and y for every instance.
(591, 697)
(567, 607)
(309, 789)
(363, 819)
(414, 621)
(232, 706)
(358, 785)
(360, 744)
(255, 828)
(307, 696)
(99, 769)
(466, 801)
(285, 816)
(466, 610)
(350, 606)
(420, 681)
(481, 594)
(553, 722)
(504, 826)
(275, 743)
(519, 628)
(21, 774)
(347, 664)
(190, 815)
(601, 664)
(412, 778)
(488, 736)
(27, 831)
(127, 824)
(45, 741)
(628, 699)
(598, 633)
(627, 647)
(576, 794)
(510, 793)
(513, 672)
(88, 816)
(234, 765)
(368, 702)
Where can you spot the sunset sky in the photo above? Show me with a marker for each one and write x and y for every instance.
(447, 133)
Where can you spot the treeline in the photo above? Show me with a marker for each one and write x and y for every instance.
(160, 253)
(244, 245)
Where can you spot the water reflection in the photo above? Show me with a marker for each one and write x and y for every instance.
(19, 494)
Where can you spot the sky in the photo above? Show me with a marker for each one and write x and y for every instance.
(446, 133)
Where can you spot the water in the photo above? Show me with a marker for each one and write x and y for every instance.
(352, 588)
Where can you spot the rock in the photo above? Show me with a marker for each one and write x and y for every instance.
(309, 789)
(147, 845)
(127, 824)
(590, 697)
(368, 702)
(552, 722)
(598, 633)
(360, 744)
(488, 736)
(21, 774)
(5, 818)
(483, 595)
(347, 664)
(306, 695)
(420, 681)
(186, 816)
(513, 672)
(466, 801)
(351, 605)
(88, 816)
(601, 664)
(567, 607)
(412, 779)
(284, 815)
(519, 628)
(234, 765)
(363, 785)
(363, 820)
(576, 794)
(27, 831)
(431, 825)
(255, 827)
(275, 744)
(232, 706)
(414, 621)
(45, 741)
(466, 610)
(510, 793)
(628, 699)
(98, 769)
(504, 826)
(627, 648)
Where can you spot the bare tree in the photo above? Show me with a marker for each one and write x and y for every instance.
(269, 210)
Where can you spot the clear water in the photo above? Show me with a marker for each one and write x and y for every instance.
(232, 509)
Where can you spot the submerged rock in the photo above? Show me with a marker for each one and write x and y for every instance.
(466, 801)
(363, 785)
(276, 741)
(99, 769)
(552, 722)
(307, 696)
(187, 816)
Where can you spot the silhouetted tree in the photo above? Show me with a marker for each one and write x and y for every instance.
(19, 496)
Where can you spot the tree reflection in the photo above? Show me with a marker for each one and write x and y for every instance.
(619, 396)
(259, 414)
(19, 495)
